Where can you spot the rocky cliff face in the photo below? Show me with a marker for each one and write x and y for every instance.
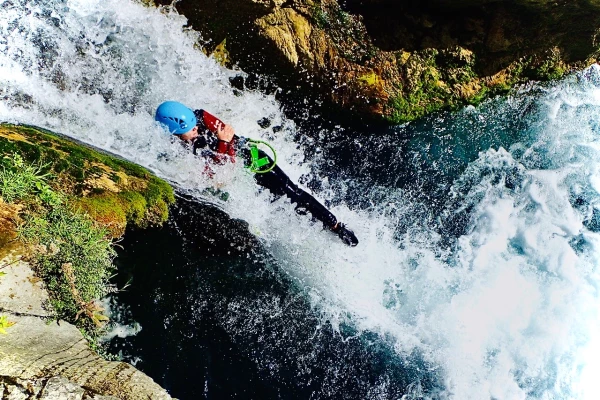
(399, 60)
(44, 359)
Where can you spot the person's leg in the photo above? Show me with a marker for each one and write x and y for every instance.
(304, 201)
(278, 183)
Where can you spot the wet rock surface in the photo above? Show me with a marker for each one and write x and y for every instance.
(397, 61)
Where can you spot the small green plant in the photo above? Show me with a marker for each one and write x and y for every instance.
(19, 179)
(549, 70)
(47, 195)
(98, 346)
(478, 97)
(4, 324)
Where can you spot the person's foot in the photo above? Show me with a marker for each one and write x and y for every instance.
(345, 234)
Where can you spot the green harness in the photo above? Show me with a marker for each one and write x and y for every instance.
(257, 163)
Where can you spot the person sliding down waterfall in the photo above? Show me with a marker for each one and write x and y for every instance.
(211, 138)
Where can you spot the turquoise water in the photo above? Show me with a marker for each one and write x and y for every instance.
(476, 274)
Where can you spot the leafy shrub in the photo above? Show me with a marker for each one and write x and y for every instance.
(72, 254)
(74, 258)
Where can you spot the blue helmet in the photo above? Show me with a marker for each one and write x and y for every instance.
(176, 117)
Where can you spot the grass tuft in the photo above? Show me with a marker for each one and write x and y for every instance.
(19, 179)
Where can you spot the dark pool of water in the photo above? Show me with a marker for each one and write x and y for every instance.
(220, 320)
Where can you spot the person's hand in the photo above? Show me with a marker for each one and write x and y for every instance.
(225, 132)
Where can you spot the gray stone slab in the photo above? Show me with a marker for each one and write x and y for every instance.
(59, 388)
(20, 290)
(34, 347)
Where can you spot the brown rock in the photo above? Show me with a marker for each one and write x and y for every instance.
(361, 54)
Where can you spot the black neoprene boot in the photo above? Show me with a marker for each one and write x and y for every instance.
(345, 234)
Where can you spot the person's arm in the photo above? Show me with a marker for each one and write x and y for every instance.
(224, 133)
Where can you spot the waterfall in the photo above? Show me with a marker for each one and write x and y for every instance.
(478, 230)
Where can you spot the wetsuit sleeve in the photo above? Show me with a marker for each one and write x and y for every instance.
(211, 123)
(228, 148)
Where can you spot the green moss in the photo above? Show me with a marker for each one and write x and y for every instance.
(77, 155)
(479, 96)
(158, 197)
(114, 177)
(447, 79)
(368, 79)
(28, 151)
(460, 75)
(136, 207)
(108, 210)
(427, 95)
(549, 69)
(75, 164)
(160, 212)
(320, 17)
(115, 210)
(414, 105)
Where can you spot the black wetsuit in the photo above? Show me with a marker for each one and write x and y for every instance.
(276, 181)
(280, 184)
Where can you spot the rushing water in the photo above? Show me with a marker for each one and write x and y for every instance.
(476, 275)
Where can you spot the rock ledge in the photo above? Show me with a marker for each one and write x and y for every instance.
(46, 359)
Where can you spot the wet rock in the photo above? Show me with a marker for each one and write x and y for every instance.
(353, 53)
(99, 397)
(38, 353)
(13, 392)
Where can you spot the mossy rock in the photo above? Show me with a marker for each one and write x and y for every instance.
(356, 55)
(111, 190)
